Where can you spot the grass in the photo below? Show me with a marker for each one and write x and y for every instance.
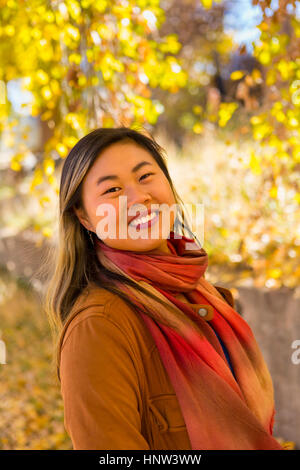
(31, 406)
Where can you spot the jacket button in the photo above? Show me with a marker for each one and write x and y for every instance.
(202, 312)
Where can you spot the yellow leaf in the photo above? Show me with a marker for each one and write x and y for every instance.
(224, 232)
(285, 68)
(288, 445)
(46, 115)
(100, 5)
(280, 116)
(70, 141)
(37, 178)
(256, 120)
(44, 200)
(41, 77)
(9, 30)
(293, 122)
(263, 26)
(35, 110)
(297, 198)
(225, 112)
(46, 92)
(261, 131)
(254, 164)
(271, 76)
(62, 150)
(55, 87)
(94, 81)
(52, 180)
(275, 273)
(73, 32)
(49, 166)
(82, 80)
(197, 109)
(256, 75)
(89, 55)
(15, 166)
(237, 75)
(47, 232)
(105, 32)
(296, 153)
(273, 192)
(264, 57)
(75, 58)
(207, 3)
(275, 45)
(198, 128)
(73, 120)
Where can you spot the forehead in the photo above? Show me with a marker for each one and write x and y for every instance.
(121, 156)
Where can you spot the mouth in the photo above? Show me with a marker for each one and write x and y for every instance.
(146, 219)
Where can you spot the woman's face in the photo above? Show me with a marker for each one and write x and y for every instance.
(134, 181)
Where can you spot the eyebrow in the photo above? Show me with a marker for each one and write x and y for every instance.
(114, 177)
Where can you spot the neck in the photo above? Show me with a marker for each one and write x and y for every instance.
(162, 249)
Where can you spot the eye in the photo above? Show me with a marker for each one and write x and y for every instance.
(147, 174)
(110, 190)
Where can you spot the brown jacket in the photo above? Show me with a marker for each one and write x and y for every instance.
(115, 389)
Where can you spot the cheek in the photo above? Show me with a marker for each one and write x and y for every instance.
(163, 191)
(89, 202)
(91, 208)
(168, 196)
(107, 210)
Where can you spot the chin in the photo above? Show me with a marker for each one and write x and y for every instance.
(140, 245)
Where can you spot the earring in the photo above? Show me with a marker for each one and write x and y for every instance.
(91, 237)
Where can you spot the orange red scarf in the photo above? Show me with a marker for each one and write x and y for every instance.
(221, 410)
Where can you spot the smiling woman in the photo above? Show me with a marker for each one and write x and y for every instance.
(150, 355)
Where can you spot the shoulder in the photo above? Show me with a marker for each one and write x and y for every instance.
(98, 315)
(227, 294)
(95, 301)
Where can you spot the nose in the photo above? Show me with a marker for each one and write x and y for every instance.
(137, 196)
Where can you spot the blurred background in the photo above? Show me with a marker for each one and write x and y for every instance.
(217, 84)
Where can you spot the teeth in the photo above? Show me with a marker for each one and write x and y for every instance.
(142, 220)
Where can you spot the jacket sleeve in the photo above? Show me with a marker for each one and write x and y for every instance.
(100, 387)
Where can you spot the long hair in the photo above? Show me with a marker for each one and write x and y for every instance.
(74, 263)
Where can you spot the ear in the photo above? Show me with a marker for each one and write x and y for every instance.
(83, 218)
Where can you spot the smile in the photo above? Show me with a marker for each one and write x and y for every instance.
(146, 221)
